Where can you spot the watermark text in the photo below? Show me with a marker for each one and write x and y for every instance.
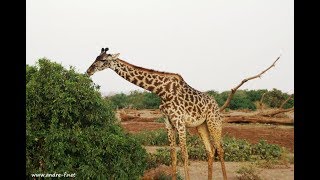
(65, 174)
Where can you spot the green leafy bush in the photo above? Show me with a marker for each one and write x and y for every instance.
(234, 149)
(136, 100)
(275, 98)
(248, 172)
(217, 96)
(162, 156)
(119, 100)
(163, 176)
(241, 150)
(242, 99)
(160, 120)
(255, 95)
(151, 100)
(266, 151)
(152, 138)
(246, 99)
(70, 128)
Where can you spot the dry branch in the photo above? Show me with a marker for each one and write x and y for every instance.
(261, 100)
(284, 102)
(233, 90)
(278, 111)
(259, 119)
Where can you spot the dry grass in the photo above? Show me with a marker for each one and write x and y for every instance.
(248, 172)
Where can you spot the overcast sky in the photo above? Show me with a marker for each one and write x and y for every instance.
(212, 44)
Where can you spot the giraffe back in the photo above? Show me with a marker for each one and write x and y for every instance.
(190, 105)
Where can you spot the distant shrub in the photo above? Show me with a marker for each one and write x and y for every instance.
(242, 99)
(152, 138)
(247, 99)
(163, 176)
(265, 150)
(241, 150)
(275, 98)
(160, 120)
(234, 149)
(161, 156)
(136, 100)
(151, 100)
(217, 96)
(248, 172)
(255, 95)
(284, 160)
(119, 100)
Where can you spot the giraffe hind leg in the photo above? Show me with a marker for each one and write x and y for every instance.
(216, 132)
(205, 136)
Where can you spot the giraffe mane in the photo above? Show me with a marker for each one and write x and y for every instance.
(151, 70)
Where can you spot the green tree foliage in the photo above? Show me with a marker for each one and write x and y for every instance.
(275, 98)
(290, 103)
(217, 96)
(70, 128)
(234, 149)
(136, 99)
(119, 100)
(151, 100)
(245, 99)
(240, 100)
(255, 95)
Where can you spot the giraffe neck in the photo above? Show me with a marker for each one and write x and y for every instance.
(160, 83)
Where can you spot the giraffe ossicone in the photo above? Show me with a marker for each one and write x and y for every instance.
(182, 106)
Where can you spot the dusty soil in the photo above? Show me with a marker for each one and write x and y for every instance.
(281, 135)
(199, 169)
(138, 120)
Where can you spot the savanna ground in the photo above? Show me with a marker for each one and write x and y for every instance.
(135, 121)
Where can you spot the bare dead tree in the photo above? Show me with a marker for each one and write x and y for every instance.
(233, 90)
(261, 100)
(259, 119)
(284, 102)
(277, 111)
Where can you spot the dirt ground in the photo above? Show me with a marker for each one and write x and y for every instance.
(199, 169)
(138, 120)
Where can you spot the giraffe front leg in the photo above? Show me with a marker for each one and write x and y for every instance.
(183, 145)
(173, 153)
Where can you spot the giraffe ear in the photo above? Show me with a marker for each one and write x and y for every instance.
(102, 50)
(115, 56)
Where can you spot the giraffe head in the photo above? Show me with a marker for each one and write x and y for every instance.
(103, 61)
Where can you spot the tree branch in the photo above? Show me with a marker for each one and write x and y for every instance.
(259, 119)
(233, 90)
(284, 102)
(278, 111)
(260, 103)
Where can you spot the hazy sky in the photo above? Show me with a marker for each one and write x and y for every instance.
(212, 44)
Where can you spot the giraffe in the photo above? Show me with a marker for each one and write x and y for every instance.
(181, 105)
